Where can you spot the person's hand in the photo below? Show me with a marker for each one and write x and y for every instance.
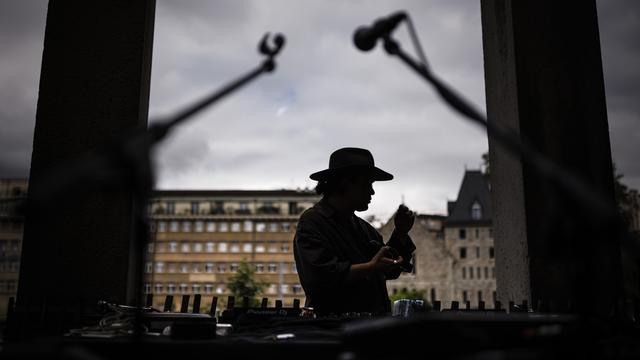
(404, 219)
(384, 260)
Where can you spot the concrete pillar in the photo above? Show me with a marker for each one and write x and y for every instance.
(94, 86)
(543, 75)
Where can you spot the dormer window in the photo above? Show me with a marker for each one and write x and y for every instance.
(476, 211)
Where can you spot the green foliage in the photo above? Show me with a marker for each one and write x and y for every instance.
(408, 294)
(242, 283)
(485, 165)
(624, 197)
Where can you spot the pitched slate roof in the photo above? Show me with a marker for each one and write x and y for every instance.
(474, 188)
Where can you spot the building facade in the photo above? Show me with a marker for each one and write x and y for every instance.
(13, 192)
(201, 237)
(467, 235)
(454, 257)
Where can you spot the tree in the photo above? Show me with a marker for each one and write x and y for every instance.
(242, 283)
(485, 165)
(412, 294)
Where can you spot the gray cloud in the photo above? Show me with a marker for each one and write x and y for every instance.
(324, 94)
(21, 36)
(620, 42)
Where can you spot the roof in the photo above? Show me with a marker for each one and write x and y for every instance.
(474, 188)
(282, 193)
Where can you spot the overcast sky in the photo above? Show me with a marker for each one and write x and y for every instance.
(324, 94)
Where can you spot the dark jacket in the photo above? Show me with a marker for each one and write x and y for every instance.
(325, 247)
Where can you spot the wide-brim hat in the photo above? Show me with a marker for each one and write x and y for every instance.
(355, 159)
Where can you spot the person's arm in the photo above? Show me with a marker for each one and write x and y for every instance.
(400, 240)
(381, 263)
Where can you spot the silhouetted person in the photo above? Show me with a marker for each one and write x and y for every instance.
(341, 259)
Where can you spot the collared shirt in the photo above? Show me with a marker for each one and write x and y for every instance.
(326, 245)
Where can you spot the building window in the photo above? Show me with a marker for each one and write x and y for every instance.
(222, 247)
(260, 248)
(208, 267)
(171, 207)
(186, 226)
(273, 248)
(222, 268)
(223, 227)
(491, 253)
(477, 233)
(462, 234)
(293, 208)
(150, 248)
(464, 272)
(470, 272)
(220, 289)
(247, 226)
(285, 248)
(247, 247)
(493, 272)
(478, 272)
(147, 288)
(195, 288)
(184, 268)
(197, 247)
(235, 248)
(261, 227)
(199, 226)
(210, 247)
(480, 295)
(490, 233)
(297, 289)
(174, 226)
(463, 253)
(185, 247)
(284, 288)
(184, 288)
(273, 268)
(149, 267)
(195, 208)
(495, 296)
(433, 295)
(259, 268)
(197, 268)
(162, 226)
(294, 268)
(211, 226)
(476, 211)
(158, 288)
(208, 289)
(235, 227)
(286, 226)
(273, 227)
(478, 252)
(486, 272)
(171, 288)
(172, 268)
(173, 246)
(159, 267)
(234, 267)
(465, 296)
(217, 207)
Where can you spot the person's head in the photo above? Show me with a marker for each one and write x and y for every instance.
(349, 177)
(354, 188)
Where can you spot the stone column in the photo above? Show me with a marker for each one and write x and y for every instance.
(94, 86)
(543, 74)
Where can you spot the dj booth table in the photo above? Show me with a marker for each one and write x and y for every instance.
(456, 335)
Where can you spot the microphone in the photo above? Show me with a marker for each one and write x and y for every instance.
(365, 37)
